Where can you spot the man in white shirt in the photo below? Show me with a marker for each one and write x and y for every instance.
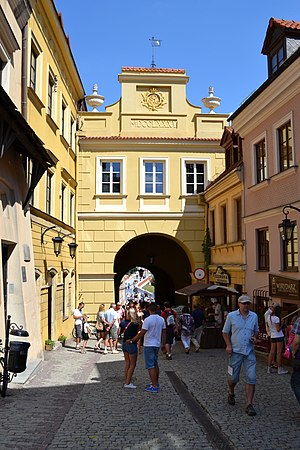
(111, 316)
(154, 332)
(77, 315)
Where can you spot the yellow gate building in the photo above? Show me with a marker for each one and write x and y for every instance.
(141, 164)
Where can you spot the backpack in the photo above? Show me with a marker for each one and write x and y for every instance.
(170, 320)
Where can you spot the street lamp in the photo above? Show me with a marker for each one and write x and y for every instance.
(58, 240)
(286, 227)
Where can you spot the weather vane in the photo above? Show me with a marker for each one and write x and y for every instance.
(154, 43)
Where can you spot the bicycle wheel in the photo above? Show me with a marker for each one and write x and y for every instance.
(5, 380)
(74, 333)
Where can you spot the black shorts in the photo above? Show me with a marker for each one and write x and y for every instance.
(281, 339)
(85, 336)
(170, 335)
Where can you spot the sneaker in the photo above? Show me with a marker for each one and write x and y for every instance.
(115, 352)
(282, 371)
(250, 410)
(169, 356)
(129, 386)
(149, 385)
(105, 351)
(231, 399)
(77, 347)
(152, 389)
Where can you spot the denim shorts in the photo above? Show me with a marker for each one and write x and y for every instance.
(130, 348)
(248, 361)
(78, 331)
(151, 357)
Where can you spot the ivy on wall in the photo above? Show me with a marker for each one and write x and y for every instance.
(206, 248)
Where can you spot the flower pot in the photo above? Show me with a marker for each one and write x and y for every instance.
(48, 347)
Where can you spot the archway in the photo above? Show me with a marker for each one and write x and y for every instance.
(163, 256)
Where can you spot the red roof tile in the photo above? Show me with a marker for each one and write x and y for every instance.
(148, 138)
(290, 24)
(281, 24)
(152, 70)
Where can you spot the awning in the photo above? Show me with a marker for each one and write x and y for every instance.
(205, 289)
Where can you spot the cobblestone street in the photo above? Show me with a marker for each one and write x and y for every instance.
(77, 401)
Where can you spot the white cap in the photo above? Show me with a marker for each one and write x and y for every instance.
(244, 299)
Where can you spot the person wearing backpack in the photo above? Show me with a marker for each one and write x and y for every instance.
(171, 326)
(187, 328)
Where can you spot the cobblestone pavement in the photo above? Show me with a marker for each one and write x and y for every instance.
(77, 401)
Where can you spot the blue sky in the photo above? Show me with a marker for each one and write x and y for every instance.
(218, 43)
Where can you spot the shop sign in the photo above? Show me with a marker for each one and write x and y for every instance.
(221, 276)
(287, 288)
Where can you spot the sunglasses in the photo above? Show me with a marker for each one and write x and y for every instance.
(246, 303)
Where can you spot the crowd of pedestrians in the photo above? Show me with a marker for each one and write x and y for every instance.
(146, 326)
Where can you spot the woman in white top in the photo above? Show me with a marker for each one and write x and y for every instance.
(277, 339)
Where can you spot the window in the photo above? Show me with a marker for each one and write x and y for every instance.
(71, 140)
(194, 177)
(48, 192)
(63, 118)
(224, 224)
(277, 59)
(285, 146)
(111, 177)
(62, 201)
(28, 168)
(290, 252)
(51, 84)
(238, 215)
(33, 67)
(212, 227)
(263, 249)
(72, 197)
(260, 158)
(154, 177)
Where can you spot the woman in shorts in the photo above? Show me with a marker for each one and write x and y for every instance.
(277, 340)
(130, 328)
(100, 327)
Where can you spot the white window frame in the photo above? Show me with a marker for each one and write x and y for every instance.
(72, 129)
(38, 90)
(111, 159)
(276, 126)
(254, 142)
(64, 119)
(184, 161)
(165, 162)
(53, 193)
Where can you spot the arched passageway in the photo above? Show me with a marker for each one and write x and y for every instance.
(160, 254)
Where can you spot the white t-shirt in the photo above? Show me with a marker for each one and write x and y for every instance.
(154, 324)
(110, 315)
(272, 321)
(77, 312)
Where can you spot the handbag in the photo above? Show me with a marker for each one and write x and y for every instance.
(99, 326)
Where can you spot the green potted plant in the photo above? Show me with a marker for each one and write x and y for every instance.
(49, 344)
(62, 338)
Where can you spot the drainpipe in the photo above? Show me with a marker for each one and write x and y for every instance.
(24, 72)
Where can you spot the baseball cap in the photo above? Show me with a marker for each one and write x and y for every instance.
(244, 299)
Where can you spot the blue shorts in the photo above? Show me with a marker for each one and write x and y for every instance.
(130, 348)
(151, 357)
(248, 361)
